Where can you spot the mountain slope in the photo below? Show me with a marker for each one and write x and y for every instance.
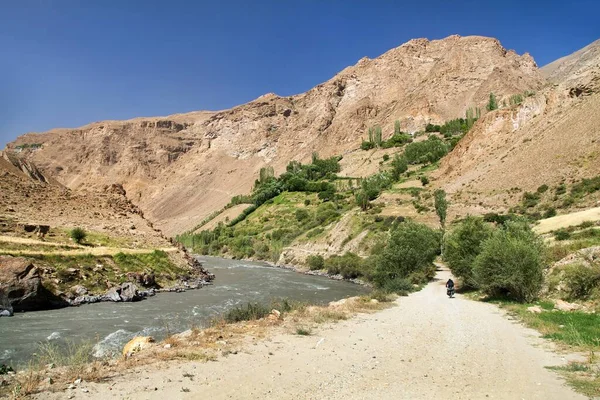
(179, 169)
(552, 137)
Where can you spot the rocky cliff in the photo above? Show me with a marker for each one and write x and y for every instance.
(180, 168)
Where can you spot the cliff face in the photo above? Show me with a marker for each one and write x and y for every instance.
(180, 168)
(552, 136)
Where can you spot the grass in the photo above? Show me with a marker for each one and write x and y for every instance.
(576, 330)
(302, 331)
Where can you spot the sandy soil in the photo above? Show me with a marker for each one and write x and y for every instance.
(564, 221)
(426, 347)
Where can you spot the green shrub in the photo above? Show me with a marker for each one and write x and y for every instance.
(301, 215)
(510, 262)
(562, 234)
(462, 245)
(248, 312)
(315, 262)
(530, 199)
(542, 189)
(78, 235)
(314, 232)
(401, 286)
(412, 247)
(549, 213)
(307, 202)
(424, 180)
(386, 157)
(581, 280)
(428, 151)
(399, 166)
(349, 265)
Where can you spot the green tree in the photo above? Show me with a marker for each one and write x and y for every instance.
(510, 262)
(397, 127)
(399, 166)
(441, 206)
(78, 235)
(362, 199)
(378, 136)
(462, 245)
(492, 103)
(412, 248)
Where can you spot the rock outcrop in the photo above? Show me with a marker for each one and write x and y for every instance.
(21, 287)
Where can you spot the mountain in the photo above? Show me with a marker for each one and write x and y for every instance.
(552, 137)
(181, 168)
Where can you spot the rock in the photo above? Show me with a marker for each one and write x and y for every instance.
(137, 344)
(167, 346)
(77, 381)
(6, 313)
(126, 292)
(85, 390)
(21, 287)
(129, 292)
(50, 366)
(49, 380)
(374, 301)
(535, 309)
(565, 306)
(112, 294)
(79, 290)
(71, 386)
(185, 334)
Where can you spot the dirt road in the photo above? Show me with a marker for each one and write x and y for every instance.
(426, 347)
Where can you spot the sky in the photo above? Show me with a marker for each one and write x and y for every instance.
(66, 63)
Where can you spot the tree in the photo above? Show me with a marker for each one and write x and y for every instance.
(441, 206)
(492, 103)
(511, 263)
(463, 245)
(396, 127)
(399, 166)
(412, 248)
(362, 199)
(78, 235)
(378, 136)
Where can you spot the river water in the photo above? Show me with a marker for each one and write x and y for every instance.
(111, 325)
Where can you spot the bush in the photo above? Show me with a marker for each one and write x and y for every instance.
(386, 157)
(301, 215)
(399, 166)
(428, 151)
(315, 262)
(397, 285)
(542, 189)
(562, 234)
(510, 262)
(365, 145)
(249, 312)
(412, 247)
(307, 202)
(581, 280)
(349, 265)
(424, 180)
(549, 213)
(78, 235)
(462, 245)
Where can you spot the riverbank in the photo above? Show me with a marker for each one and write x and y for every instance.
(400, 352)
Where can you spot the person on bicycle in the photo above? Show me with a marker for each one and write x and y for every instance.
(450, 284)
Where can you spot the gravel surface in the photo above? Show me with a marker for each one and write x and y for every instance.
(426, 347)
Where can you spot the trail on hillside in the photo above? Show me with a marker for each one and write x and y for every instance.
(426, 347)
(75, 250)
(567, 220)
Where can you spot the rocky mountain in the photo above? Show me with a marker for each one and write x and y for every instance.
(552, 137)
(181, 168)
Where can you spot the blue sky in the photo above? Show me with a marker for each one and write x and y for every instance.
(65, 63)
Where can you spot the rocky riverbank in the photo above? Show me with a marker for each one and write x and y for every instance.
(24, 287)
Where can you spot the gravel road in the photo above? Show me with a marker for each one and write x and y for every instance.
(426, 347)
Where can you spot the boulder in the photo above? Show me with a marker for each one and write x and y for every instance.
(535, 309)
(79, 290)
(6, 312)
(137, 344)
(21, 287)
(126, 292)
(565, 306)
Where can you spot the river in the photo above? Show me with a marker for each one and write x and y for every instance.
(111, 325)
